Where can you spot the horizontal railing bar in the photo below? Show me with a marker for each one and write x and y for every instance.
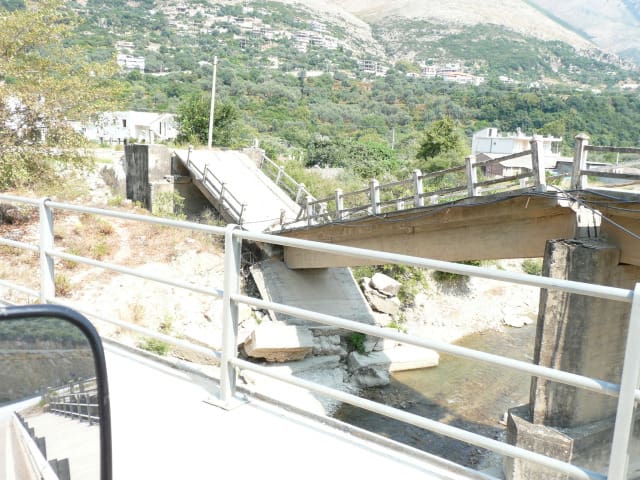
(355, 192)
(502, 159)
(560, 376)
(444, 191)
(166, 222)
(27, 200)
(621, 176)
(422, 422)
(443, 172)
(141, 330)
(395, 184)
(503, 180)
(129, 271)
(570, 286)
(599, 148)
(19, 288)
(22, 245)
(396, 200)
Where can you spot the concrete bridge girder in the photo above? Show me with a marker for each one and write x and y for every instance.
(509, 228)
(499, 228)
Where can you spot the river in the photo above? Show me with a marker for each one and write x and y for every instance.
(459, 392)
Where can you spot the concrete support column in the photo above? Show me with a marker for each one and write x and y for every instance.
(582, 335)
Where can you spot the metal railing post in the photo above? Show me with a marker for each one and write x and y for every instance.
(299, 193)
(537, 164)
(309, 208)
(579, 181)
(47, 273)
(374, 195)
(418, 189)
(279, 176)
(619, 460)
(204, 174)
(339, 204)
(232, 265)
(472, 176)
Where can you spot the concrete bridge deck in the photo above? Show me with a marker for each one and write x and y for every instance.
(252, 199)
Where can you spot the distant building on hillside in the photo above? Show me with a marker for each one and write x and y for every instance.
(490, 144)
(129, 62)
(143, 127)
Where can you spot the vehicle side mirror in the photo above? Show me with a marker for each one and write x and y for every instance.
(54, 398)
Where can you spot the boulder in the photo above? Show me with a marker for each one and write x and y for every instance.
(409, 357)
(385, 284)
(279, 343)
(370, 370)
(383, 304)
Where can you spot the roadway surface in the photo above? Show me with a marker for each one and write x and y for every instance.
(264, 201)
(13, 459)
(164, 429)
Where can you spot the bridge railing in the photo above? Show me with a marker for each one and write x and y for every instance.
(627, 391)
(77, 399)
(581, 172)
(297, 191)
(228, 201)
(423, 189)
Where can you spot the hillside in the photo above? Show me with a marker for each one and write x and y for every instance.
(516, 15)
(613, 26)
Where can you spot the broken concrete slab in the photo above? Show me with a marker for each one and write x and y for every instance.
(331, 291)
(370, 370)
(383, 304)
(279, 343)
(409, 357)
(385, 284)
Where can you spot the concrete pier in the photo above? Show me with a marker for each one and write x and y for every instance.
(582, 335)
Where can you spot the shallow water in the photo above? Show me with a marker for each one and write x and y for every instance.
(459, 392)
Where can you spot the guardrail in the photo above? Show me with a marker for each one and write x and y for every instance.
(424, 188)
(297, 191)
(581, 172)
(465, 181)
(217, 188)
(76, 400)
(627, 392)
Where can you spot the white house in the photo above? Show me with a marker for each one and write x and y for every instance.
(143, 127)
(489, 144)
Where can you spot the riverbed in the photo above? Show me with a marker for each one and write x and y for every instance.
(458, 392)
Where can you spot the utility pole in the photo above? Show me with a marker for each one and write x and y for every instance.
(213, 101)
(393, 138)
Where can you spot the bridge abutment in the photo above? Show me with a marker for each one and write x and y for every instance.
(582, 335)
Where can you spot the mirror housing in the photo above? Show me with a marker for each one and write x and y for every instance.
(19, 325)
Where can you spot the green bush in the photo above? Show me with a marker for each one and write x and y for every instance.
(154, 346)
(356, 341)
(532, 266)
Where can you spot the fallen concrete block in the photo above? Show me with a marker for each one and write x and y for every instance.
(279, 343)
(385, 284)
(409, 357)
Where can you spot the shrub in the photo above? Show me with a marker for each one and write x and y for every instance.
(356, 341)
(154, 346)
(532, 266)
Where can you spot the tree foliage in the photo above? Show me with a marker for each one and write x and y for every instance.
(193, 121)
(43, 84)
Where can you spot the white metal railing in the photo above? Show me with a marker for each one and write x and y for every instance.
(627, 392)
(227, 200)
(76, 399)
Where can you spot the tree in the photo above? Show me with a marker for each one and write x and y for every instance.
(440, 137)
(193, 121)
(43, 84)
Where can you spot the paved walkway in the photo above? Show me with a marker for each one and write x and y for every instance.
(263, 199)
(164, 429)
